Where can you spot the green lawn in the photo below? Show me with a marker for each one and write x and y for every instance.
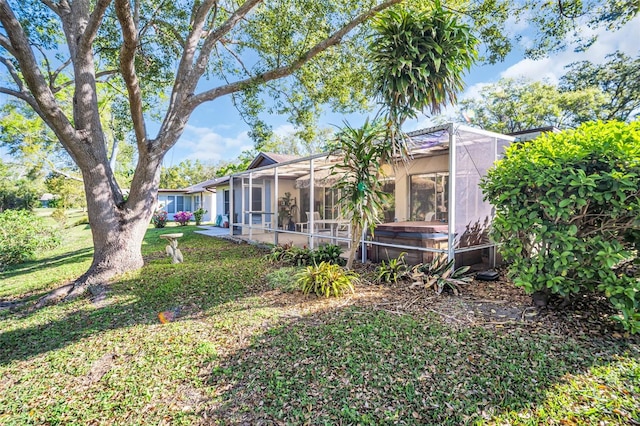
(242, 353)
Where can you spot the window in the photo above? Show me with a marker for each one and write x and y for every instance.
(171, 204)
(226, 203)
(180, 203)
(256, 199)
(429, 196)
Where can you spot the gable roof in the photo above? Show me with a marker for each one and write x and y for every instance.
(269, 158)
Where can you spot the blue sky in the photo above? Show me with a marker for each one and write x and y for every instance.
(216, 131)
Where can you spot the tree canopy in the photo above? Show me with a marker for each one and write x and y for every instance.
(587, 92)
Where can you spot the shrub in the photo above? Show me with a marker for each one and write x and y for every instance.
(328, 253)
(392, 271)
(292, 255)
(159, 219)
(198, 214)
(22, 235)
(440, 274)
(182, 218)
(326, 279)
(567, 213)
(297, 256)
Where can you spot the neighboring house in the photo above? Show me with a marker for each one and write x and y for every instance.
(45, 199)
(188, 199)
(437, 209)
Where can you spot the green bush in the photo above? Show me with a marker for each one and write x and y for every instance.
(326, 279)
(302, 256)
(567, 213)
(22, 234)
(328, 253)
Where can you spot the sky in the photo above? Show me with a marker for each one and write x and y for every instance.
(216, 132)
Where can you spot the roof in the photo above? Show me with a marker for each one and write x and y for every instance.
(269, 158)
(202, 186)
(525, 135)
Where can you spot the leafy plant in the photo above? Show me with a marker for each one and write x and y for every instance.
(567, 209)
(328, 253)
(22, 235)
(159, 219)
(284, 279)
(419, 59)
(298, 256)
(440, 274)
(363, 151)
(326, 279)
(198, 215)
(182, 218)
(393, 270)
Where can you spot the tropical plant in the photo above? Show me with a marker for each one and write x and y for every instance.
(23, 234)
(567, 213)
(159, 219)
(419, 59)
(362, 151)
(393, 270)
(440, 274)
(182, 218)
(327, 253)
(298, 256)
(326, 279)
(198, 215)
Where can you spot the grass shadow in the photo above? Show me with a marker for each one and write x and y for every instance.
(359, 365)
(29, 266)
(136, 299)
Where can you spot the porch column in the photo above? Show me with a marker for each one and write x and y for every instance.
(231, 221)
(452, 193)
(276, 208)
(312, 197)
(250, 205)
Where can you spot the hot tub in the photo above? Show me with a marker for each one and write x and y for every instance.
(412, 234)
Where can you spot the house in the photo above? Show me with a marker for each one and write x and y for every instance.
(188, 199)
(438, 207)
(222, 188)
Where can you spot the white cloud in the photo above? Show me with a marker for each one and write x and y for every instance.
(552, 68)
(204, 144)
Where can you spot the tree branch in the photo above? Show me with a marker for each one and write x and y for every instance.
(128, 70)
(215, 36)
(14, 73)
(57, 72)
(6, 44)
(22, 96)
(72, 82)
(90, 32)
(51, 5)
(287, 70)
(48, 108)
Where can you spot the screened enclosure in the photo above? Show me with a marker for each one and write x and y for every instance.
(436, 206)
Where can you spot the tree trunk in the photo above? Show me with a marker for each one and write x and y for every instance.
(117, 228)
